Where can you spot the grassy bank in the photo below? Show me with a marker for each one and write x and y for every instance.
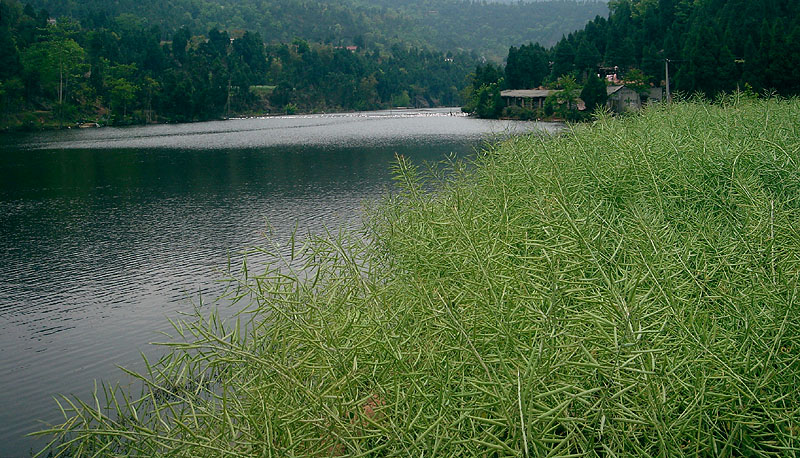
(626, 288)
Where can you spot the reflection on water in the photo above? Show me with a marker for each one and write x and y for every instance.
(106, 232)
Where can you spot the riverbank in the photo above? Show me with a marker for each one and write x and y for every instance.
(37, 121)
(625, 288)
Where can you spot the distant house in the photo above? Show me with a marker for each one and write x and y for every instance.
(525, 98)
(533, 99)
(623, 99)
(655, 95)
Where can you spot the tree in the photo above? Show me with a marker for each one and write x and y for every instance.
(526, 67)
(563, 102)
(638, 81)
(779, 51)
(563, 59)
(587, 56)
(122, 92)
(55, 64)
(489, 104)
(594, 93)
(621, 52)
(727, 71)
(793, 60)
(486, 74)
(752, 73)
(11, 91)
(701, 69)
(179, 42)
(9, 55)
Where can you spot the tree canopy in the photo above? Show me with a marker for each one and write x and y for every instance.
(123, 70)
(487, 28)
(713, 45)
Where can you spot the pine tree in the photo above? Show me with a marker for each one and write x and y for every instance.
(701, 51)
(9, 55)
(563, 59)
(727, 70)
(587, 57)
(594, 93)
(752, 73)
(778, 72)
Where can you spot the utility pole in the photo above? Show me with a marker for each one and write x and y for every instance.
(228, 101)
(666, 72)
(60, 90)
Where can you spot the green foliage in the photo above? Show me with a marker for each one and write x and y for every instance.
(527, 67)
(522, 113)
(486, 74)
(56, 64)
(121, 65)
(563, 103)
(123, 93)
(563, 59)
(483, 93)
(323, 77)
(715, 46)
(401, 100)
(638, 81)
(626, 288)
(587, 57)
(594, 93)
(485, 28)
(9, 54)
(11, 95)
(488, 103)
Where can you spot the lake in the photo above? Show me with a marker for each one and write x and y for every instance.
(108, 232)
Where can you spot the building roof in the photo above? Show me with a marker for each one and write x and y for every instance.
(612, 89)
(526, 93)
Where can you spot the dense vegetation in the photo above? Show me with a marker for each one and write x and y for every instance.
(716, 45)
(627, 288)
(121, 71)
(456, 25)
(713, 46)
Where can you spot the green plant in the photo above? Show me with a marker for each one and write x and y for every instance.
(627, 288)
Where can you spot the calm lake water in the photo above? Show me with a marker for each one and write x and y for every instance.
(107, 232)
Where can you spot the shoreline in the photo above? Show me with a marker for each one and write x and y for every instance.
(53, 126)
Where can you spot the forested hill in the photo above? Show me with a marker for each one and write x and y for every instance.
(448, 25)
(62, 72)
(714, 45)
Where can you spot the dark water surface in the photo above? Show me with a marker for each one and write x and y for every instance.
(104, 233)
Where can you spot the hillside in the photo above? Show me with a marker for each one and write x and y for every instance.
(448, 25)
(61, 73)
(714, 45)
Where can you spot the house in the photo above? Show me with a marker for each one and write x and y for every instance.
(623, 99)
(655, 95)
(526, 98)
